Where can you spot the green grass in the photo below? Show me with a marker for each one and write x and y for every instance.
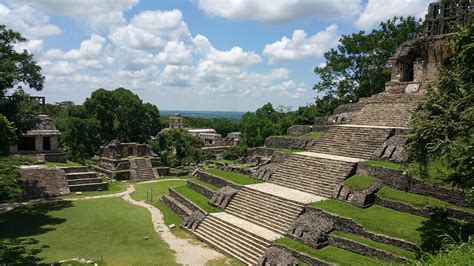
(229, 162)
(66, 164)
(196, 198)
(287, 151)
(458, 254)
(329, 254)
(378, 219)
(113, 187)
(314, 134)
(237, 178)
(415, 199)
(160, 188)
(204, 184)
(103, 229)
(388, 248)
(384, 164)
(360, 182)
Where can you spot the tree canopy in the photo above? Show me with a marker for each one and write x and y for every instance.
(17, 68)
(443, 123)
(358, 66)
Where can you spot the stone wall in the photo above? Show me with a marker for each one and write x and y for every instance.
(365, 250)
(175, 206)
(200, 189)
(302, 256)
(350, 226)
(290, 142)
(300, 130)
(397, 179)
(43, 182)
(190, 205)
(214, 180)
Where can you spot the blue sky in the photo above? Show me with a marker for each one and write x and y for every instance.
(217, 55)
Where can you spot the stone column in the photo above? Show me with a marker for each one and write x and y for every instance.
(54, 140)
(39, 143)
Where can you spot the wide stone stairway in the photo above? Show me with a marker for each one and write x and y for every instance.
(318, 176)
(79, 178)
(141, 169)
(352, 141)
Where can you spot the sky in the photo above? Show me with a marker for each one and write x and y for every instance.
(208, 55)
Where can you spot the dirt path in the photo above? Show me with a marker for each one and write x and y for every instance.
(187, 253)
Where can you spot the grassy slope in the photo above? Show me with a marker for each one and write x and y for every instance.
(314, 134)
(92, 229)
(415, 199)
(385, 164)
(66, 164)
(329, 254)
(237, 178)
(378, 219)
(159, 189)
(114, 187)
(204, 184)
(359, 182)
(196, 198)
(388, 248)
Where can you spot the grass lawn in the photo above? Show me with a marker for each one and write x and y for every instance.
(204, 184)
(388, 248)
(314, 134)
(237, 178)
(223, 161)
(329, 253)
(196, 198)
(114, 187)
(160, 188)
(66, 164)
(360, 182)
(415, 199)
(385, 164)
(378, 219)
(103, 229)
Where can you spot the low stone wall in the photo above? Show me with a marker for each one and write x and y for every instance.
(303, 256)
(200, 189)
(290, 142)
(425, 212)
(190, 205)
(397, 179)
(174, 207)
(52, 157)
(214, 180)
(300, 130)
(42, 182)
(349, 225)
(233, 168)
(116, 175)
(163, 171)
(365, 250)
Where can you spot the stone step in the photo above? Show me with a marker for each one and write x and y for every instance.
(74, 169)
(232, 240)
(89, 187)
(267, 211)
(84, 181)
(275, 226)
(81, 175)
(254, 194)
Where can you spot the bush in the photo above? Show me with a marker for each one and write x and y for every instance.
(11, 187)
(7, 135)
(235, 152)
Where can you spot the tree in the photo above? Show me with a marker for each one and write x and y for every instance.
(178, 147)
(7, 135)
(17, 68)
(443, 122)
(21, 110)
(358, 66)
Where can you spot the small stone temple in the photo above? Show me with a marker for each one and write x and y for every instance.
(123, 161)
(41, 141)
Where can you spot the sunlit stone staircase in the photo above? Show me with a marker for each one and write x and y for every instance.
(81, 179)
(317, 176)
(352, 141)
(141, 169)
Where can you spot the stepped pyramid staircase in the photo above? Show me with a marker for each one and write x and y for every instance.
(141, 169)
(259, 214)
(79, 178)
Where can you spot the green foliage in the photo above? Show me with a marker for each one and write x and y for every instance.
(452, 254)
(234, 177)
(21, 110)
(443, 122)
(16, 67)
(11, 187)
(196, 198)
(178, 147)
(7, 135)
(385, 164)
(265, 122)
(235, 152)
(358, 66)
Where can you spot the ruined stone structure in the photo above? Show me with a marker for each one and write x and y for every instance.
(42, 141)
(373, 128)
(442, 16)
(175, 121)
(132, 161)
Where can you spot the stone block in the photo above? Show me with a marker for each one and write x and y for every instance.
(42, 182)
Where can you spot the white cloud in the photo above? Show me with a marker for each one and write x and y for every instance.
(158, 20)
(279, 11)
(99, 14)
(377, 11)
(89, 49)
(175, 53)
(29, 22)
(301, 46)
(32, 46)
